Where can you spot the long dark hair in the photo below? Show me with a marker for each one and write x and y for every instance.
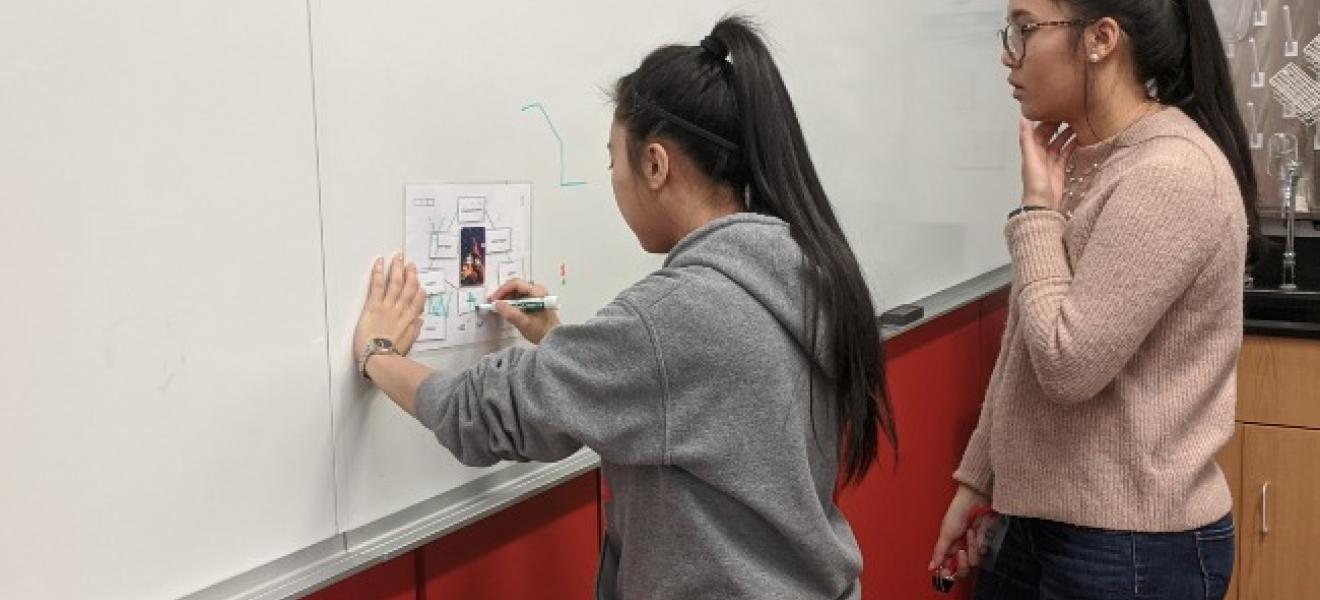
(736, 121)
(1176, 45)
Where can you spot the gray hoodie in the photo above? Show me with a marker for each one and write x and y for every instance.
(693, 386)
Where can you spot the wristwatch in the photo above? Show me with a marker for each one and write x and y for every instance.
(374, 347)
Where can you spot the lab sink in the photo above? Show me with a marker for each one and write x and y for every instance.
(1268, 270)
(1268, 310)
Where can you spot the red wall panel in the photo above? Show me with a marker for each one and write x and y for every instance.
(994, 316)
(545, 547)
(935, 384)
(394, 580)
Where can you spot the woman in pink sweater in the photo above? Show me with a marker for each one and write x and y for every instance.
(1116, 382)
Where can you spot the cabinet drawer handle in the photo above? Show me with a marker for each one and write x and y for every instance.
(1265, 507)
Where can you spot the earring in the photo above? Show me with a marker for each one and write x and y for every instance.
(1095, 57)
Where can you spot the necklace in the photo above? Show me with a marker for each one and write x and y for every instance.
(1077, 184)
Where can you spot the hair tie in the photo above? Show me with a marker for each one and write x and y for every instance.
(715, 47)
(644, 103)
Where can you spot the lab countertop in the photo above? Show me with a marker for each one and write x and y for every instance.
(1287, 314)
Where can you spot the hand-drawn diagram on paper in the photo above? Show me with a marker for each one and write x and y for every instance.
(466, 239)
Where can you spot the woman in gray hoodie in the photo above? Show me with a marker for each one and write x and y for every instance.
(726, 393)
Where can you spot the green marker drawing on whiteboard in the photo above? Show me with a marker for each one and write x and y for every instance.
(562, 176)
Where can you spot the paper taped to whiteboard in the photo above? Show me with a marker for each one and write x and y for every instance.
(433, 328)
(499, 240)
(474, 237)
(443, 246)
(432, 281)
(511, 270)
(471, 210)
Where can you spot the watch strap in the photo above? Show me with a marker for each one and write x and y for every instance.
(372, 349)
(1025, 209)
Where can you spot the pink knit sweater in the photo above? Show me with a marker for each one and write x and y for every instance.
(1116, 383)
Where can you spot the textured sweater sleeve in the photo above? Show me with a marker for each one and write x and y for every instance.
(976, 469)
(1082, 323)
(597, 384)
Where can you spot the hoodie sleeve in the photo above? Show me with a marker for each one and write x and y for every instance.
(597, 384)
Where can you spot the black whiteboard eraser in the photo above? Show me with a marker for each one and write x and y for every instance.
(903, 314)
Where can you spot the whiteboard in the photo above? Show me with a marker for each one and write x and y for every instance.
(904, 106)
(165, 422)
(193, 194)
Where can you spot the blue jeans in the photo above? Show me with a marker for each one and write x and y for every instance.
(1043, 560)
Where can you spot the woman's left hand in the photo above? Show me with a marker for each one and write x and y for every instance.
(393, 308)
(1046, 150)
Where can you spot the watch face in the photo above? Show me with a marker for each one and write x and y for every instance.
(382, 344)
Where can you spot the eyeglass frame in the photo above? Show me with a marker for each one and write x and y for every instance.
(1029, 28)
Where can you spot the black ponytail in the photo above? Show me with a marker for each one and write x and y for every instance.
(733, 117)
(1176, 45)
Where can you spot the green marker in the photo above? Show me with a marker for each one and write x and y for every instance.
(526, 304)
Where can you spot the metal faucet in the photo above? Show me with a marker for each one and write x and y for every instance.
(1288, 177)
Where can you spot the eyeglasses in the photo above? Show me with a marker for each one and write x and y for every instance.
(1014, 37)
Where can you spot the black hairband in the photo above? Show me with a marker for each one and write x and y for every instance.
(715, 47)
(641, 102)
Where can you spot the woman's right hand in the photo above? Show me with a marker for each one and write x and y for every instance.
(1046, 150)
(532, 325)
(954, 528)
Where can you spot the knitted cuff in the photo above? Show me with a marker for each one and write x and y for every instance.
(1035, 241)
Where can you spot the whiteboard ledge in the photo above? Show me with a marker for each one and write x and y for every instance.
(330, 561)
(942, 303)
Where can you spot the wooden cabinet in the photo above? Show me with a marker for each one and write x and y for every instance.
(1273, 466)
(1280, 513)
(1279, 382)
